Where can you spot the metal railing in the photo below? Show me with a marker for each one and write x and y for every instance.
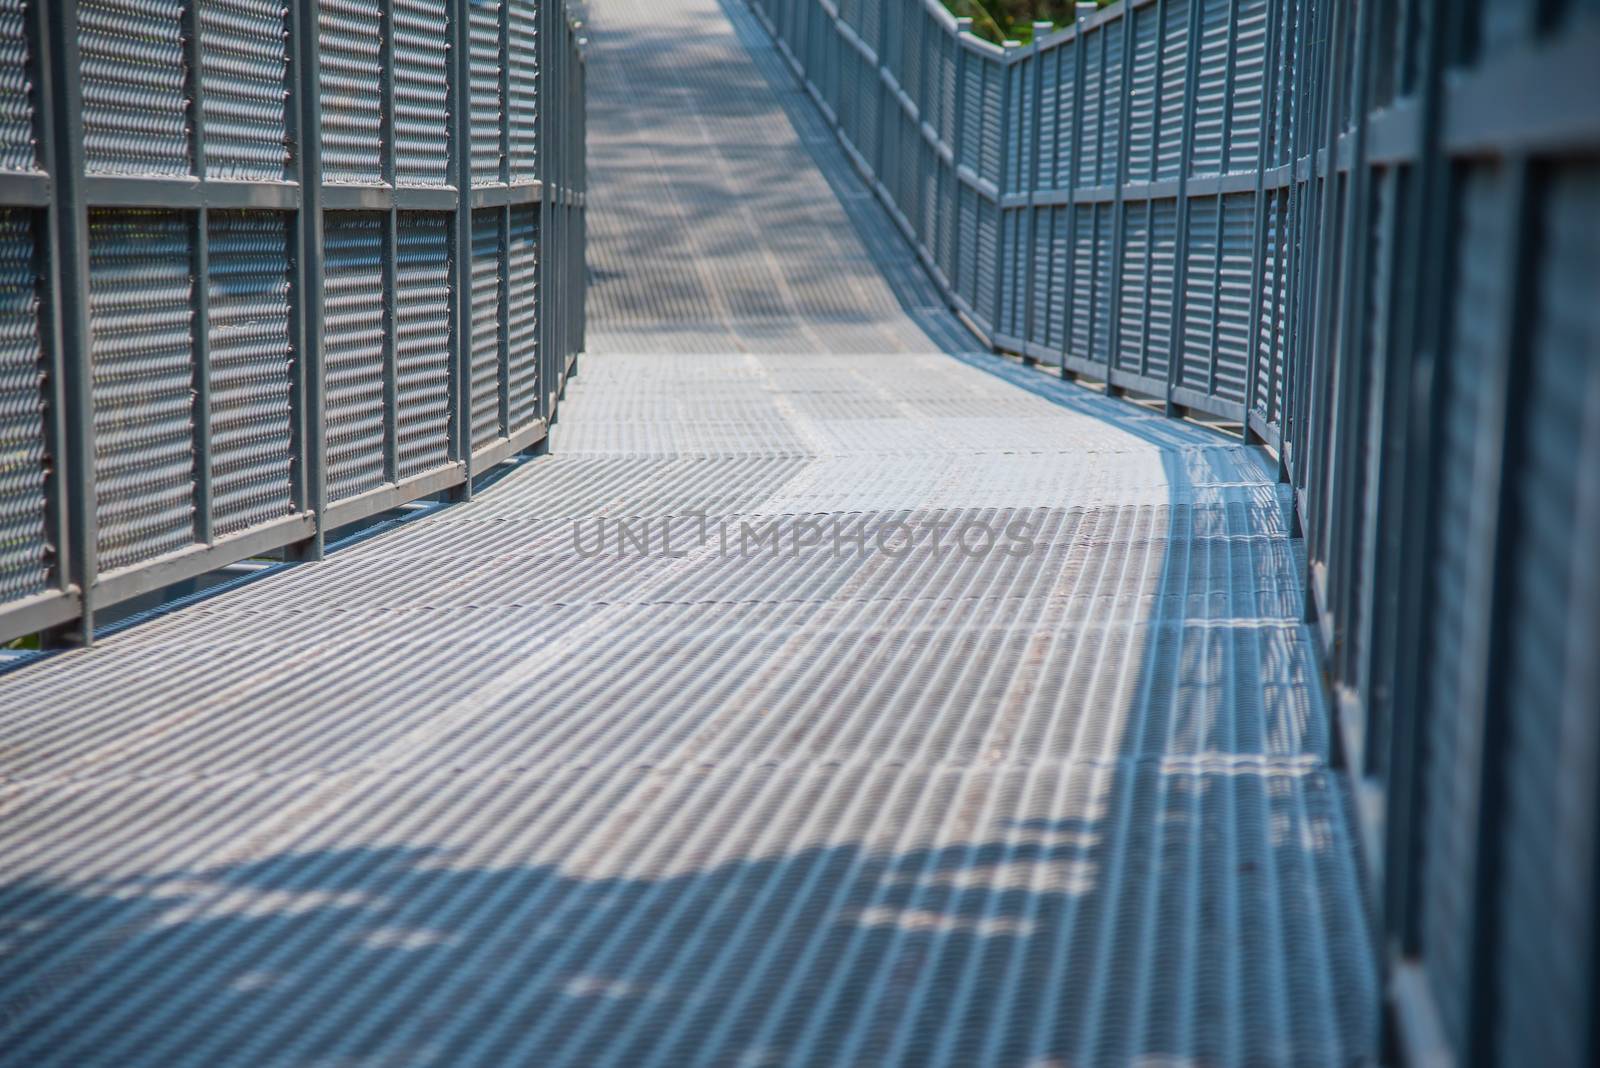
(1367, 234)
(269, 269)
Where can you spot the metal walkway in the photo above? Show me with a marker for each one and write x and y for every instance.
(463, 794)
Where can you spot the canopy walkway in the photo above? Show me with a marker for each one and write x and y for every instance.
(827, 689)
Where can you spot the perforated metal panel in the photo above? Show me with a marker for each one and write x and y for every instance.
(487, 105)
(1173, 99)
(134, 70)
(487, 312)
(1199, 294)
(422, 297)
(523, 315)
(1163, 274)
(244, 74)
(1235, 282)
(18, 146)
(421, 92)
(523, 107)
(1143, 84)
(1135, 286)
(23, 456)
(350, 50)
(355, 314)
(1211, 87)
(141, 312)
(1090, 111)
(1111, 132)
(1247, 92)
(251, 360)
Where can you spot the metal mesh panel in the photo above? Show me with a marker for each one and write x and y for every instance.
(351, 57)
(1269, 382)
(1169, 123)
(523, 45)
(141, 289)
(1547, 887)
(134, 74)
(422, 340)
(23, 568)
(522, 315)
(1043, 278)
(1458, 631)
(484, 28)
(250, 363)
(1135, 286)
(1111, 103)
(1091, 111)
(1060, 277)
(1211, 88)
(421, 93)
(1235, 265)
(354, 314)
(244, 70)
(1142, 84)
(1049, 122)
(17, 148)
(1069, 108)
(1163, 275)
(1249, 81)
(486, 314)
(1081, 281)
(1199, 297)
(988, 263)
(993, 122)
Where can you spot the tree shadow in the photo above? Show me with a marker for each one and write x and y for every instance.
(1029, 943)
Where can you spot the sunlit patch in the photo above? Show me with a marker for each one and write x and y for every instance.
(403, 938)
(931, 921)
(210, 901)
(601, 986)
(250, 982)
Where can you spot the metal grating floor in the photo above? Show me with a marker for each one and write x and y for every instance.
(463, 795)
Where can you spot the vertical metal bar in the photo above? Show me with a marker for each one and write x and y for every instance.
(72, 260)
(1505, 428)
(1067, 311)
(1258, 228)
(460, 127)
(957, 151)
(308, 396)
(1421, 298)
(200, 326)
(1119, 223)
(1005, 64)
(1180, 253)
(391, 327)
(58, 518)
(1352, 372)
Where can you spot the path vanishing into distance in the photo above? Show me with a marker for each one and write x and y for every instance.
(471, 792)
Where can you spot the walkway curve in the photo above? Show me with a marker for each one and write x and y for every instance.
(467, 793)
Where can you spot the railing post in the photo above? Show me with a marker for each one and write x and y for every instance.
(1258, 228)
(72, 260)
(1180, 255)
(1030, 164)
(460, 126)
(957, 151)
(307, 395)
(1119, 209)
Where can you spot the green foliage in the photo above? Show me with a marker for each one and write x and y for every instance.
(1002, 20)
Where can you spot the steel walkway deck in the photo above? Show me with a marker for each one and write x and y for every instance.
(464, 795)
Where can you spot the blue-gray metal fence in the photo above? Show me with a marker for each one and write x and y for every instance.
(269, 267)
(1367, 234)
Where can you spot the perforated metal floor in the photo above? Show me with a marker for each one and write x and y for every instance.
(464, 794)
